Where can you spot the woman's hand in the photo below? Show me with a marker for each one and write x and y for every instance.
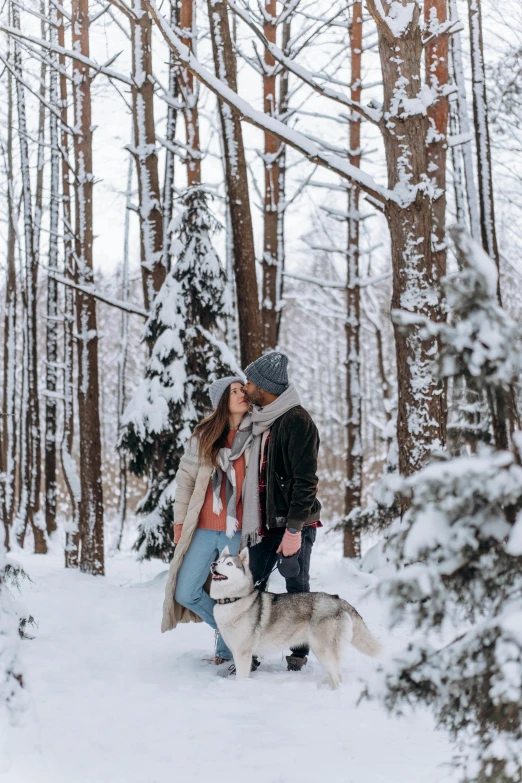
(290, 544)
(177, 533)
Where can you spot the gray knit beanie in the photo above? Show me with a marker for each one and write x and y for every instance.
(219, 387)
(269, 372)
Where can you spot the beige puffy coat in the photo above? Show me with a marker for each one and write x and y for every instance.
(192, 481)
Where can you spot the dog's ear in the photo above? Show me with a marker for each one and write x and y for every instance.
(225, 552)
(243, 556)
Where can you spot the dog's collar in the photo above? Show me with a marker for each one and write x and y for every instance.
(227, 600)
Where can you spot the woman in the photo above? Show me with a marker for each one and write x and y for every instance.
(208, 506)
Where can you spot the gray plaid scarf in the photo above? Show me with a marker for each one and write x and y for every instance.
(225, 459)
(260, 420)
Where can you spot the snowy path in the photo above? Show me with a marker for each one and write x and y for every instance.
(115, 701)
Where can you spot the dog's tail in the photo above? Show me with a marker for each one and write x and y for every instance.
(362, 639)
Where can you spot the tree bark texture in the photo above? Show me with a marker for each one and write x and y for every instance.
(72, 481)
(436, 55)
(421, 419)
(91, 502)
(170, 135)
(29, 509)
(480, 114)
(144, 150)
(190, 91)
(51, 359)
(250, 335)
(354, 452)
(272, 152)
(464, 126)
(8, 446)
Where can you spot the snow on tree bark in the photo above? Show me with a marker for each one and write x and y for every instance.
(250, 332)
(464, 126)
(29, 507)
(91, 501)
(421, 419)
(9, 381)
(354, 451)
(185, 357)
(51, 367)
(483, 145)
(170, 135)
(271, 156)
(145, 154)
(70, 472)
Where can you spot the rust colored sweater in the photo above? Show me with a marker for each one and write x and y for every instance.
(207, 519)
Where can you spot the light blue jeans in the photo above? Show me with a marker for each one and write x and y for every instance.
(205, 547)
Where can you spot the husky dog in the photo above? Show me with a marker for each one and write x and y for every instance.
(252, 622)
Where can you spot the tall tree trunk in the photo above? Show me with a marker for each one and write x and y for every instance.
(51, 379)
(250, 335)
(190, 92)
(72, 481)
(30, 505)
(464, 126)
(437, 77)
(40, 161)
(480, 114)
(91, 503)
(122, 361)
(284, 82)
(170, 135)
(421, 420)
(354, 453)
(269, 310)
(9, 385)
(145, 154)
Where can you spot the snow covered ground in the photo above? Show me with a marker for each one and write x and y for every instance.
(115, 701)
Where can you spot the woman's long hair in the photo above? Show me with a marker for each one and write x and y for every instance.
(213, 431)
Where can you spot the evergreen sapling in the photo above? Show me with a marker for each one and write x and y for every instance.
(186, 355)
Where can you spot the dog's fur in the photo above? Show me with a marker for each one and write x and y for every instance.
(257, 622)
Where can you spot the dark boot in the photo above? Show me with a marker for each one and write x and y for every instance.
(256, 663)
(294, 663)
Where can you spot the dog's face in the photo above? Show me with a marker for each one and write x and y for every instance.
(231, 576)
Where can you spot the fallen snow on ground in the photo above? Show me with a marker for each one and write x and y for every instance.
(115, 701)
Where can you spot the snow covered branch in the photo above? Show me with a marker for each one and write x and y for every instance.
(260, 120)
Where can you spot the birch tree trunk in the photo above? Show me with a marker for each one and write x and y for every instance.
(250, 334)
(269, 309)
(354, 453)
(51, 374)
(145, 154)
(40, 161)
(72, 481)
(284, 82)
(91, 502)
(9, 386)
(480, 114)
(29, 510)
(421, 419)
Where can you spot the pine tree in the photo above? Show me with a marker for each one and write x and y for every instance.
(461, 539)
(186, 356)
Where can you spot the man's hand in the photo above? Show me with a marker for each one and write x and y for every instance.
(290, 544)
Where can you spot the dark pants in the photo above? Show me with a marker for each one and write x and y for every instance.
(263, 558)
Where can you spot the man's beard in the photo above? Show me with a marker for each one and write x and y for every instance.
(255, 398)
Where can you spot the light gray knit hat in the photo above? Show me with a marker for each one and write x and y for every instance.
(269, 372)
(219, 387)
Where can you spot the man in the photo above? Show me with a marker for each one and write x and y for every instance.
(289, 508)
